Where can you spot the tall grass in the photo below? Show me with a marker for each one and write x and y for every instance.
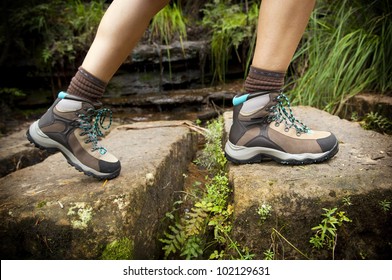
(167, 24)
(231, 26)
(345, 51)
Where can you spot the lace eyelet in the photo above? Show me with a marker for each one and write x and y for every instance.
(277, 124)
(298, 134)
(286, 129)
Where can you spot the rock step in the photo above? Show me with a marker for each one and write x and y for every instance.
(359, 174)
(17, 153)
(51, 211)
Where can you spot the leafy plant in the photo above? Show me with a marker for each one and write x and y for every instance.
(174, 240)
(50, 35)
(347, 201)
(70, 35)
(269, 254)
(264, 211)
(385, 205)
(211, 212)
(11, 92)
(212, 156)
(377, 122)
(326, 231)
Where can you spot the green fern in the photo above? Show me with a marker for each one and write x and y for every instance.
(197, 222)
(192, 248)
(174, 241)
(377, 122)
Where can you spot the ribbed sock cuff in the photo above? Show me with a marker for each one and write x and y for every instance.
(260, 80)
(86, 85)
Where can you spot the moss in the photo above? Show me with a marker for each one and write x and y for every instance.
(41, 204)
(121, 249)
(272, 182)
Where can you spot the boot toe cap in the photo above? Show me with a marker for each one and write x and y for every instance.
(328, 143)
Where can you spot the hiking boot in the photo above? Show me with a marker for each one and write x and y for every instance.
(75, 131)
(264, 128)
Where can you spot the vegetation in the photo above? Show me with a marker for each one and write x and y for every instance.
(264, 211)
(33, 31)
(375, 121)
(203, 232)
(168, 24)
(340, 56)
(121, 249)
(326, 232)
(385, 205)
(231, 26)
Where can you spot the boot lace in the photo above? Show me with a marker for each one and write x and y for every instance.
(91, 123)
(282, 113)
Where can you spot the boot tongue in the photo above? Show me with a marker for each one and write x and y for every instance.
(67, 105)
(258, 105)
(253, 105)
(65, 96)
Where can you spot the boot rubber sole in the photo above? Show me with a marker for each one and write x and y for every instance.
(244, 155)
(42, 141)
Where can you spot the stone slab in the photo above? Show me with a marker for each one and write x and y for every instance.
(360, 172)
(52, 211)
(17, 153)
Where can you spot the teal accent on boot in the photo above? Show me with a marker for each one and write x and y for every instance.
(62, 94)
(240, 99)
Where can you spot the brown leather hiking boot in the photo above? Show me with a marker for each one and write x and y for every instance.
(75, 133)
(270, 131)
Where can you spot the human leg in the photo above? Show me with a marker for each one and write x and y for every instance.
(263, 124)
(119, 31)
(72, 125)
(280, 28)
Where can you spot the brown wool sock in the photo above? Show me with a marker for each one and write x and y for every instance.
(86, 85)
(261, 80)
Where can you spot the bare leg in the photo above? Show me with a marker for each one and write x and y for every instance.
(119, 31)
(280, 28)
